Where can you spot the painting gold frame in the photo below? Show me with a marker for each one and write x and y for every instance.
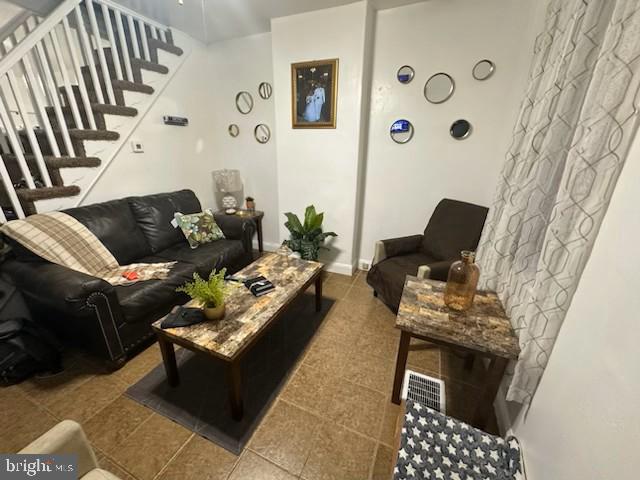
(332, 100)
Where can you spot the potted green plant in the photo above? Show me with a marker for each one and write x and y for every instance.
(306, 238)
(209, 293)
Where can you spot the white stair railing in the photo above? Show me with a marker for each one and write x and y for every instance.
(52, 73)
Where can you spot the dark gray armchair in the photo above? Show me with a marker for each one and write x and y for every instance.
(454, 226)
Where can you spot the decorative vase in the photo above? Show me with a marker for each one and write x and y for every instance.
(214, 313)
(462, 282)
(251, 205)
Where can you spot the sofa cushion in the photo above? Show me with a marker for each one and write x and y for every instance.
(453, 227)
(154, 214)
(116, 227)
(387, 277)
(219, 254)
(142, 301)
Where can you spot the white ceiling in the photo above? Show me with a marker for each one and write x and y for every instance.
(214, 20)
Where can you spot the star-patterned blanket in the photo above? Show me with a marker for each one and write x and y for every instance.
(436, 447)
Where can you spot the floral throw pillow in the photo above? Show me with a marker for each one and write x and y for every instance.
(199, 228)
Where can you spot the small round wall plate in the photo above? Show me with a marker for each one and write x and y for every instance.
(265, 90)
(244, 102)
(234, 130)
(262, 133)
(483, 69)
(460, 129)
(439, 88)
(401, 131)
(405, 74)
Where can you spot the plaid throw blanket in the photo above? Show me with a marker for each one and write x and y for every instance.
(61, 239)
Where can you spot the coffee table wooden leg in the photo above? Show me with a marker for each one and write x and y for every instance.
(401, 364)
(234, 374)
(319, 292)
(169, 360)
(491, 385)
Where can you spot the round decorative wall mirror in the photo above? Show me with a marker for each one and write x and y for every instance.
(265, 90)
(234, 130)
(405, 74)
(262, 133)
(439, 88)
(460, 129)
(483, 69)
(244, 102)
(401, 131)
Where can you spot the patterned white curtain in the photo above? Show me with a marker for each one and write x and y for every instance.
(569, 145)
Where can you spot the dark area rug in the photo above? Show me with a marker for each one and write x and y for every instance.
(200, 402)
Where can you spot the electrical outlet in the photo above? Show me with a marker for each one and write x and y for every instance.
(365, 265)
(137, 147)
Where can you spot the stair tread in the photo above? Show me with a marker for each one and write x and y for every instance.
(147, 65)
(167, 47)
(53, 160)
(103, 108)
(132, 86)
(44, 193)
(82, 134)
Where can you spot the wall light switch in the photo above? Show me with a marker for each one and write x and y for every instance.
(137, 147)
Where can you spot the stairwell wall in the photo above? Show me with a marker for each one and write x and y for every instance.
(174, 157)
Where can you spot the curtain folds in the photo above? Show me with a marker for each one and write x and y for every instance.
(572, 136)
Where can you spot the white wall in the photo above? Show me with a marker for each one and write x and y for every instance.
(238, 65)
(320, 166)
(405, 182)
(174, 157)
(583, 422)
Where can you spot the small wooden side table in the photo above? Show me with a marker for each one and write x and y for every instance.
(483, 330)
(256, 216)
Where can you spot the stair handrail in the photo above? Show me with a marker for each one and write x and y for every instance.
(37, 34)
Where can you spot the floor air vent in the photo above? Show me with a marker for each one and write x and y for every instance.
(427, 390)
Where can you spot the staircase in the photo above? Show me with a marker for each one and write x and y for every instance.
(71, 87)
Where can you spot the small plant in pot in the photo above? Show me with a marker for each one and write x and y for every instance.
(250, 203)
(307, 238)
(209, 293)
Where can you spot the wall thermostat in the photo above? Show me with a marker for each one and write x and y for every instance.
(178, 121)
(137, 147)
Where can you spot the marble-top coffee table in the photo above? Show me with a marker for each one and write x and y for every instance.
(483, 330)
(247, 318)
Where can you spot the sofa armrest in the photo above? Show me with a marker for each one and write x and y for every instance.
(402, 245)
(56, 286)
(236, 227)
(435, 271)
(67, 437)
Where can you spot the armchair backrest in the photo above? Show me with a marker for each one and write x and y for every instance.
(454, 226)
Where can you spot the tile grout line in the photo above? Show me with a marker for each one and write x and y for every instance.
(177, 452)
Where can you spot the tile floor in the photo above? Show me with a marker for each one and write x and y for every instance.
(333, 420)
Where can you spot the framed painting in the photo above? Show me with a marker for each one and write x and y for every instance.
(314, 93)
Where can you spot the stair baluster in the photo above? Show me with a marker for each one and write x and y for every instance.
(124, 48)
(100, 49)
(28, 127)
(84, 94)
(106, 15)
(14, 141)
(71, 98)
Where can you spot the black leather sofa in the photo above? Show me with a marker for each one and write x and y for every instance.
(112, 321)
